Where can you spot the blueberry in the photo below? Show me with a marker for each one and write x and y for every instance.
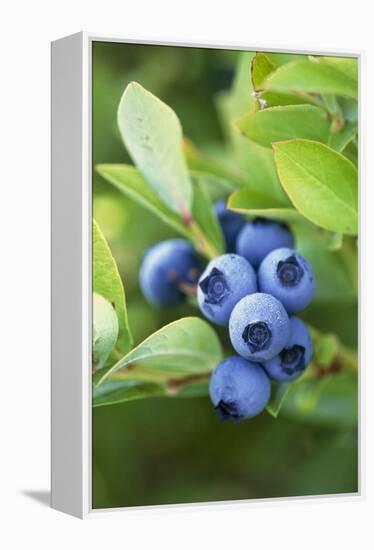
(259, 327)
(239, 389)
(260, 237)
(289, 277)
(292, 361)
(224, 282)
(169, 269)
(231, 224)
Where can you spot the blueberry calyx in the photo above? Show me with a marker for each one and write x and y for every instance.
(257, 336)
(228, 410)
(293, 359)
(214, 287)
(290, 272)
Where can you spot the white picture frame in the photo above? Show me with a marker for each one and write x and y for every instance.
(71, 276)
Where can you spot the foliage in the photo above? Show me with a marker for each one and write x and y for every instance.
(287, 151)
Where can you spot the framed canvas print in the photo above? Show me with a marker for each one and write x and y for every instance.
(205, 226)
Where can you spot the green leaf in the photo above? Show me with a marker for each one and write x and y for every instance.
(184, 347)
(105, 330)
(112, 392)
(285, 122)
(129, 181)
(351, 152)
(257, 204)
(279, 392)
(321, 183)
(340, 140)
(274, 99)
(330, 401)
(216, 189)
(261, 67)
(263, 64)
(107, 282)
(153, 136)
(279, 59)
(324, 75)
(205, 217)
(197, 162)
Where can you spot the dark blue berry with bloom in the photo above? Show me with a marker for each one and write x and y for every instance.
(226, 280)
(289, 277)
(169, 270)
(259, 327)
(260, 237)
(239, 389)
(292, 361)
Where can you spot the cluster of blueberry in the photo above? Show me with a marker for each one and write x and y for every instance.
(255, 289)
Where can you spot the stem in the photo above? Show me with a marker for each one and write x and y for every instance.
(312, 99)
(188, 289)
(347, 358)
(174, 385)
(202, 243)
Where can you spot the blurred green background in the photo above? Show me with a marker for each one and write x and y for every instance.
(165, 450)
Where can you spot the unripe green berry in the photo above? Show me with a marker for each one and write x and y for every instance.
(105, 330)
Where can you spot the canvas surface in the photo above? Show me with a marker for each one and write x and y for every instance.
(176, 131)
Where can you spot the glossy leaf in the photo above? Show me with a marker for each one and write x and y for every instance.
(321, 183)
(112, 392)
(341, 139)
(184, 347)
(285, 122)
(350, 151)
(324, 75)
(278, 59)
(153, 136)
(263, 64)
(257, 204)
(261, 68)
(106, 281)
(129, 181)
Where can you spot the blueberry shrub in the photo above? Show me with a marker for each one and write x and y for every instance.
(256, 277)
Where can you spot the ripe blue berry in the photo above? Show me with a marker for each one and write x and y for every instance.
(289, 277)
(259, 327)
(260, 237)
(292, 361)
(224, 282)
(239, 389)
(168, 269)
(231, 223)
